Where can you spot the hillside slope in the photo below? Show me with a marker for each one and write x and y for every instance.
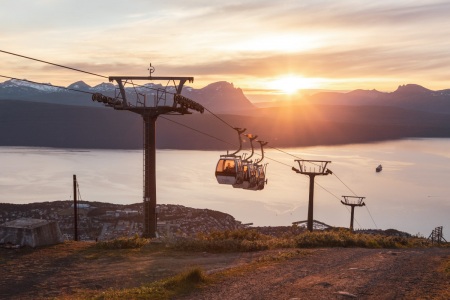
(50, 125)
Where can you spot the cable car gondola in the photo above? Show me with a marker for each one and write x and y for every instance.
(248, 168)
(229, 169)
(259, 180)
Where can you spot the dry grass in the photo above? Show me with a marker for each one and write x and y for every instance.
(247, 240)
(180, 284)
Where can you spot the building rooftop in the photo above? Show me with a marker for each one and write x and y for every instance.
(25, 223)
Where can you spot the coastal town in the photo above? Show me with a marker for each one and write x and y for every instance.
(105, 221)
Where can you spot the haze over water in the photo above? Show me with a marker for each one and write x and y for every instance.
(410, 194)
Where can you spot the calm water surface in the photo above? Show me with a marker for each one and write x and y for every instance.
(410, 194)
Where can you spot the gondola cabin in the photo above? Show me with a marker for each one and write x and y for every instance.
(259, 178)
(249, 173)
(229, 170)
(262, 181)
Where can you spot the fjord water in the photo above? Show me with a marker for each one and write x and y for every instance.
(410, 194)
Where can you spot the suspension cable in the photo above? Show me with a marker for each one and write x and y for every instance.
(103, 76)
(222, 120)
(371, 217)
(336, 198)
(47, 84)
(198, 131)
(53, 64)
(345, 184)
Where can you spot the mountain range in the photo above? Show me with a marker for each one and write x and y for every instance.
(218, 97)
(48, 116)
(409, 96)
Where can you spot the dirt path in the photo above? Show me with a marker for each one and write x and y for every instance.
(63, 269)
(339, 273)
(60, 270)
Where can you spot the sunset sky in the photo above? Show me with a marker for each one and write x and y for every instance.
(258, 45)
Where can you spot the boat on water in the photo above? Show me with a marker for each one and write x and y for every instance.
(379, 168)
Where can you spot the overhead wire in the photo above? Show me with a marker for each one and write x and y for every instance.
(215, 115)
(73, 69)
(47, 84)
(198, 131)
(53, 64)
(337, 199)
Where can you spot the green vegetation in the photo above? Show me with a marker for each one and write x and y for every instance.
(247, 240)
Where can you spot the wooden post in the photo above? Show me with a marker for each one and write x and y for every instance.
(75, 206)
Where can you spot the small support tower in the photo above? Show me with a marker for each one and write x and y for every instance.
(166, 101)
(353, 201)
(437, 236)
(312, 168)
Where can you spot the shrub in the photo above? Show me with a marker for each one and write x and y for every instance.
(123, 243)
(243, 240)
(246, 240)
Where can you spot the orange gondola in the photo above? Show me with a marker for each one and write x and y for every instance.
(229, 169)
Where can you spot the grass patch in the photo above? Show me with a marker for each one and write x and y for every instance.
(248, 240)
(123, 243)
(345, 238)
(177, 285)
(243, 240)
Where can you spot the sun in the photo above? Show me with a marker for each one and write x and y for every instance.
(291, 84)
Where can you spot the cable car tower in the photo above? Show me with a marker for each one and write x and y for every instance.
(164, 103)
(316, 167)
(353, 201)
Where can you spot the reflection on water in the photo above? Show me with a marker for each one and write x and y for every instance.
(410, 194)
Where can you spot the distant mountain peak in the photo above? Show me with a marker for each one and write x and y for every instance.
(225, 85)
(47, 87)
(79, 85)
(411, 89)
(103, 86)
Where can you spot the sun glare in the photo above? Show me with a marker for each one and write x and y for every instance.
(292, 84)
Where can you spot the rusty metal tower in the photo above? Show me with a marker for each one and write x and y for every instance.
(312, 168)
(164, 102)
(353, 201)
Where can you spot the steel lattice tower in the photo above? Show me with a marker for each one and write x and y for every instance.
(165, 103)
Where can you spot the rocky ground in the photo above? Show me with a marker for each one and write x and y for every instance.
(329, 273)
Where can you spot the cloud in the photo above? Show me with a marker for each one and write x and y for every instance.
(233, 41)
